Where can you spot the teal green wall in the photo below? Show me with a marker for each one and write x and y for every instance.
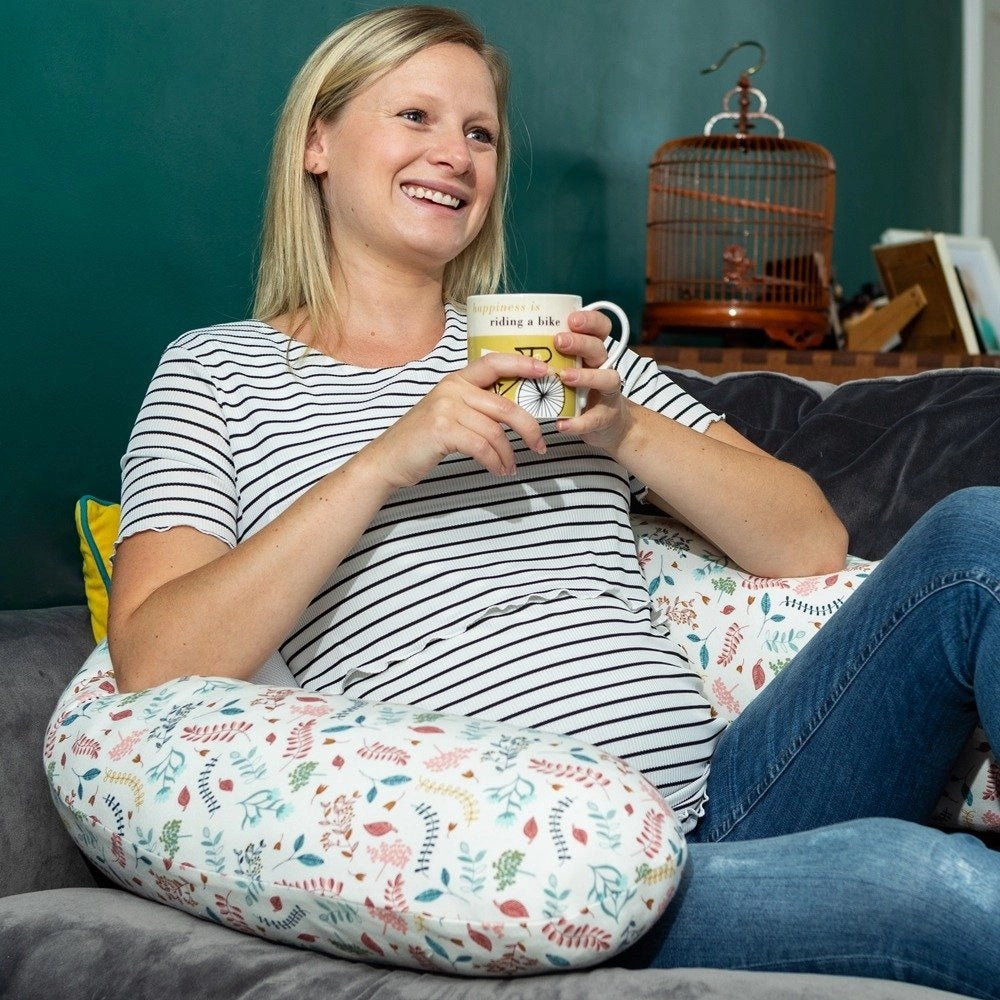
(136, 135)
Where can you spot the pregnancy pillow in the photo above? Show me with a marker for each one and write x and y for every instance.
(367, 831)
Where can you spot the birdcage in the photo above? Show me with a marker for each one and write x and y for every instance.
(740, 229)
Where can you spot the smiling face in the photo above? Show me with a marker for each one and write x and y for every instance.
(409, 167)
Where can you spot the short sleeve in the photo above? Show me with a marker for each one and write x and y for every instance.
(178, 468)
(644, 383)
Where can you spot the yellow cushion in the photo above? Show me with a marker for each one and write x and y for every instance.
(97, 526)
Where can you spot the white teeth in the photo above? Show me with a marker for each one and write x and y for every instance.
(438, 197)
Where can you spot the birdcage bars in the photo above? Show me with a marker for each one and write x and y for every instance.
(740, 228)
(740, 235)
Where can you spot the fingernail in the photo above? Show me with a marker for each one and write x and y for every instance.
(569, 375)
(542, 368)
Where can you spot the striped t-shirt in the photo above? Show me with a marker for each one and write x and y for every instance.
(511, 598)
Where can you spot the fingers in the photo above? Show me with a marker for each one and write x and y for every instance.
(448, 424)
(606, 381)
(464, 414)
(497, 369)
(485, 441)
(588, 331)
(590, 323)
(491, 368)
(589, 349)
(605, 405)
(458, 416)
(500, 412)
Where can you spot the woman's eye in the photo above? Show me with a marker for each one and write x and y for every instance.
(483, 135)
(413, 115)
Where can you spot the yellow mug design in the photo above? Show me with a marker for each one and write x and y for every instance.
(527, 324)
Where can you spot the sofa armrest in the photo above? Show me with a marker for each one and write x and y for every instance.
(40, 650)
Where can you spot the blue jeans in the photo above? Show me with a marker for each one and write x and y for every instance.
(789, 870)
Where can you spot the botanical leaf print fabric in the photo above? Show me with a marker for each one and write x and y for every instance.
(364, 830)
(740, 630)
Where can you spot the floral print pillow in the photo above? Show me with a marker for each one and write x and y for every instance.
(367, 831)
(741, 630)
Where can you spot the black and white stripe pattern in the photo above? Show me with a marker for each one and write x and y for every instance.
(239, 421)
(592, 669)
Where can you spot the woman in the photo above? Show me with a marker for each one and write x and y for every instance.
(286, 475)
(392, 160)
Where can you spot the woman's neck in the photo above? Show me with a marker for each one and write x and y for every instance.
(385, 320)
(388, 324)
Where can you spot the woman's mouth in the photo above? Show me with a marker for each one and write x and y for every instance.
(429, 194)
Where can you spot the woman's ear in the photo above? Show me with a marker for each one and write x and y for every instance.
(314, 157)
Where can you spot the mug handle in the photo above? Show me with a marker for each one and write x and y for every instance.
(622, 318)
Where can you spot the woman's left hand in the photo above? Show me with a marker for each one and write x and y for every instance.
(605, 418)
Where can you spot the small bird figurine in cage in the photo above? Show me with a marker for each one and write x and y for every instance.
(740, 228)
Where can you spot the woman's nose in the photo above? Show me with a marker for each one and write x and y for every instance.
(452, 149)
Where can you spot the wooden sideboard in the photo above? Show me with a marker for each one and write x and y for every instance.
(823, 366)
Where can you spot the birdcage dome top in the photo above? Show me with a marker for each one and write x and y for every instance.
(756, 149)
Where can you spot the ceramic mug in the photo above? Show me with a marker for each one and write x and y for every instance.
(527, 324)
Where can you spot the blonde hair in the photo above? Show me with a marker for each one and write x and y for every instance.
(297, 247)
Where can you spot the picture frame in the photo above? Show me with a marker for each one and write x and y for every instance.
(975, 258)
(944, 323)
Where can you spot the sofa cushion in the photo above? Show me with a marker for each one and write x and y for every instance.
(882, 450)
(365, 830)
(105, 943)
(39, 652)
(767, 407)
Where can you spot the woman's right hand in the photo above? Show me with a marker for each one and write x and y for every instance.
(462, 414)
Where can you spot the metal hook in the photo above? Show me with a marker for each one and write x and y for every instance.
(732, 48)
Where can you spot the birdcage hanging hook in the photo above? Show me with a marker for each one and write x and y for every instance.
(744, 118)
(735, 47)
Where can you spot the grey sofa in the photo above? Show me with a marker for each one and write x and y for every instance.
(883, 450)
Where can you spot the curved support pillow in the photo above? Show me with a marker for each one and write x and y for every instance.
(363, 830)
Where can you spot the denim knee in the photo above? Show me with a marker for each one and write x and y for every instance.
(921, 867)
(958, 533)
(966, 512)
